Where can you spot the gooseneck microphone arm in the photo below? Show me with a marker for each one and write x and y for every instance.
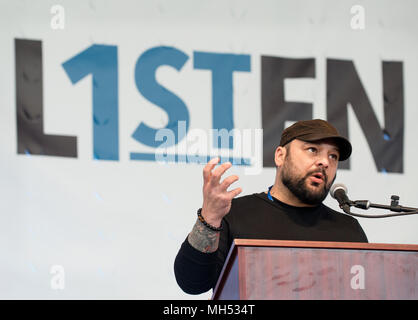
(394, 206)
(339, 192)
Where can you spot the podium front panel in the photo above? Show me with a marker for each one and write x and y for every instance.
(318, 273)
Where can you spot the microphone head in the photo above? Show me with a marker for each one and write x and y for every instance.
(337, 186)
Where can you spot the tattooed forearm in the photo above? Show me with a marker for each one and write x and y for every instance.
(203, 239)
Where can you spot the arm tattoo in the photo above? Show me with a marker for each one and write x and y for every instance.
(203, 239)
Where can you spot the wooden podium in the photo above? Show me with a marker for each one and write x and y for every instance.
(272, 269)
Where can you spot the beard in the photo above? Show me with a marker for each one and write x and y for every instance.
(299, 185)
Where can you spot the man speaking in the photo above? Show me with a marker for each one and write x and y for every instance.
(292, 209)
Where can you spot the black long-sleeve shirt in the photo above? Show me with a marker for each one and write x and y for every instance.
(257, 217)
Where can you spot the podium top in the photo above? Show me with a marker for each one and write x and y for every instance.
(322, 244)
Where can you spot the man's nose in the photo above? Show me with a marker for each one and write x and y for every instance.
(322, 160)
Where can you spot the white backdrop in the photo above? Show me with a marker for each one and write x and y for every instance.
(114, 227)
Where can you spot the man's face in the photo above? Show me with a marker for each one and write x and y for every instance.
(309, 169)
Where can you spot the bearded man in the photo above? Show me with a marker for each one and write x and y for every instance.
(292, 209)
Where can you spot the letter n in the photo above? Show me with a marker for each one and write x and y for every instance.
(344, 86)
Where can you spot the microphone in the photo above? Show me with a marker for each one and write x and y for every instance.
(339, 192)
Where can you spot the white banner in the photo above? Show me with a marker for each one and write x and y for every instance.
(88, 212)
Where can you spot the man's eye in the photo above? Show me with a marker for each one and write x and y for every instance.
(333, 156)
(312, 149)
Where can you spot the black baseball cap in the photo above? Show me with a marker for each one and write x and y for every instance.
(314, 130)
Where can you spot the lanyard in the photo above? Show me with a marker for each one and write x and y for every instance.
(269, 194)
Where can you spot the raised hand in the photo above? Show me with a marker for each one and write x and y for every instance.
(216, 197)
(216, 204)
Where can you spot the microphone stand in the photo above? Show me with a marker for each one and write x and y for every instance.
(394, 206)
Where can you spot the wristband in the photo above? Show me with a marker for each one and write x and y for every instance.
(201, 219)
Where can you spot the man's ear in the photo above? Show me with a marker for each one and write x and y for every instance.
(279, 156)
